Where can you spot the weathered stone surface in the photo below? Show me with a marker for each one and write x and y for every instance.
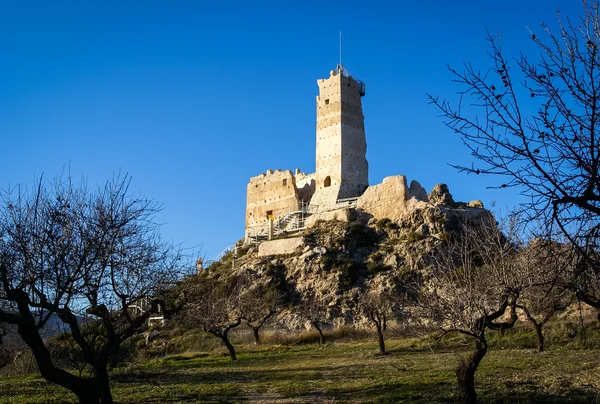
(475, 204)
(418, 192)
(279, 247)
(274, 194)
(342, 168)
(337, 261)
(343, 215)
(440, 195)
(391, 198)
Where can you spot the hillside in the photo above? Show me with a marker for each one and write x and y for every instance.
(343, 253)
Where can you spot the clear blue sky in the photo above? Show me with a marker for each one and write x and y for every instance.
(191, 98)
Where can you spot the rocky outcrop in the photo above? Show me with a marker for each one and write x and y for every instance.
(388, 239)
(440, 195)
(475, 204)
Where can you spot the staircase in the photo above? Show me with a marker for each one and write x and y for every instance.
(287, 220)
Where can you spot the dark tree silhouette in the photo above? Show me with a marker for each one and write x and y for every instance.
(213, 304)
(4, 352)
(67, 254)
(470, 289)
(258, 303)
(534, 123)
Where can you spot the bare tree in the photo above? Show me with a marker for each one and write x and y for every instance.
(314, 310)
(258, 303)
(67, 253)
(376, 308)
(381, 303)
(212, 304)
(534, 123)
(544, 267)
(469, 290)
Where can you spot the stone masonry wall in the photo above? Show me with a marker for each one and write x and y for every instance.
(341, 166)
(391, 198)
(275, 193)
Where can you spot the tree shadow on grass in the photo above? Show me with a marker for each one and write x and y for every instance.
(322, 383)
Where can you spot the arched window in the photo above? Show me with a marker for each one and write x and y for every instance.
(327, 182)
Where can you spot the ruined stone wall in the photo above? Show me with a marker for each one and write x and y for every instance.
(305, 184)
(341, 166)
(392, 198)
(277, 193)
(269, 193)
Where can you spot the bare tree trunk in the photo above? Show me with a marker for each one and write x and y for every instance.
(540, 336)
(84, 389)
(380, 338)
(465, 373)
(256, 336)
(537, 326)
(223, 336)
(103, 385)
(321, 336)
(230, 348)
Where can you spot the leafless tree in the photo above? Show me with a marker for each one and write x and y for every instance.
(534, 123)
(376, 308)
(258, 303)
(213, 304)
(314, 310)
(544, 267)
(471, 289)
(381, 303)
(66, 253)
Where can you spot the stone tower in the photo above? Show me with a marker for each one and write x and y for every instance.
(342, 168)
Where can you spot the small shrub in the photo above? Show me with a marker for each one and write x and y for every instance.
(445, 236)
(355, 227)
(374, 267)
(413, 236)
(394, 241)
(350, 273)
(243, 250)
(386, 248)
(383, 223)
(377, 256)
(328, 260)
(361, 234)
(408, 274)
(441, 220)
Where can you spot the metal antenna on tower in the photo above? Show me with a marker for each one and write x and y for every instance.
(340, 47)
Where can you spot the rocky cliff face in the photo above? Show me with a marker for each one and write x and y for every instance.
(390, 238)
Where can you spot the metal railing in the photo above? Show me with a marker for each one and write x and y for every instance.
(289, 219)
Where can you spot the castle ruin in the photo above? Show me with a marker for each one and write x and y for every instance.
(284, 198)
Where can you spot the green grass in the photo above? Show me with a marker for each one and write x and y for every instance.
(340, 372)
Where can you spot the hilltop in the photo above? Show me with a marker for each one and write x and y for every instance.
(390, 237)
